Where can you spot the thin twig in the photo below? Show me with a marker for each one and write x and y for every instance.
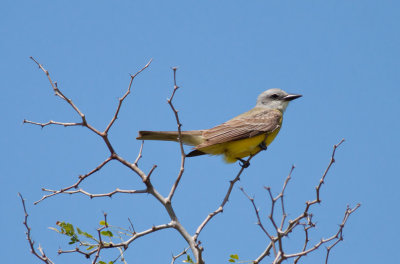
(121, 100)
(51, 122)
(60, 94)
(96, 195)
(174, 258)
(75, 185)
(139, 155)
(183, 156)
(259, 223)
(41, 255)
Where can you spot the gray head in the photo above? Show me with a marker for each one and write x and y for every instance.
(275, 99)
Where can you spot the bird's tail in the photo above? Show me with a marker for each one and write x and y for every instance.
(192, 138)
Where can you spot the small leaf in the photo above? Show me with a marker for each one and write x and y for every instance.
(234, 256)
(103, 223)
(107, 233)
(101, 262)
(232, 260)
(188, 259)
(89, 248)
(111, 262)
(87, 235)
(79, 231)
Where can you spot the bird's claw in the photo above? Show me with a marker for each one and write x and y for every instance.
(263, 146)
(244, 163)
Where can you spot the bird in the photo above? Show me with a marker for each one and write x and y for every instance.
(242, 136)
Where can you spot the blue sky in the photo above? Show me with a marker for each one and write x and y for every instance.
(343, 56)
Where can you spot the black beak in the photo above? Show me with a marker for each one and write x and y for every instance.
(291, 97)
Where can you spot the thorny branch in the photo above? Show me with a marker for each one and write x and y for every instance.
(276, 241)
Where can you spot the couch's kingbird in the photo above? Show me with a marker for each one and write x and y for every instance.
(242, 136)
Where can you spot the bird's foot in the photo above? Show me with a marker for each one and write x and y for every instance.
(243, 163)
(263, 146)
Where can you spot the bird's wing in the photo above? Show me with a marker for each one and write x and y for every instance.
(247, 125)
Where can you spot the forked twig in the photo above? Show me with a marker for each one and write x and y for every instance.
(174, 258)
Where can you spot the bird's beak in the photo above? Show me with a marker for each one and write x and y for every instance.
(291, 97)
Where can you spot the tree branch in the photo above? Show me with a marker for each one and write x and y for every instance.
(183, 156)
(75, 185)
(121, 100)
(40, 255)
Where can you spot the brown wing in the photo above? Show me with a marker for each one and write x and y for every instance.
(253, 123)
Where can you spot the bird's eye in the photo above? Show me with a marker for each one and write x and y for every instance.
(274, 96)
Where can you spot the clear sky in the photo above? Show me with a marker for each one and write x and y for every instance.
(343, 56)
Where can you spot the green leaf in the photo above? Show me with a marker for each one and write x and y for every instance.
(234, 256)
(188, 259)
(101, 262)
(107, 233)
(87, 235)
(232, 260)
(103, 223)
(111, 262)
(79, 231)
(89, 248)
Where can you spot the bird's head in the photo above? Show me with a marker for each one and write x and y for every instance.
(275, 99)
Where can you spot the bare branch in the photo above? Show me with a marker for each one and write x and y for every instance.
(183, 156)
(140, 234)
(259, 223)
(174, 258)
(77, 250)
(281, 195)
(51, 122)
(58, 93)
(305, 215)
(322, 180)
(75, 185)
(93, 195)
(265, 253)
(139, 155)
(339, 234)
(41, 255)
(121, 100)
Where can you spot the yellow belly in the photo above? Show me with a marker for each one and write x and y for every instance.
(240, 148)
